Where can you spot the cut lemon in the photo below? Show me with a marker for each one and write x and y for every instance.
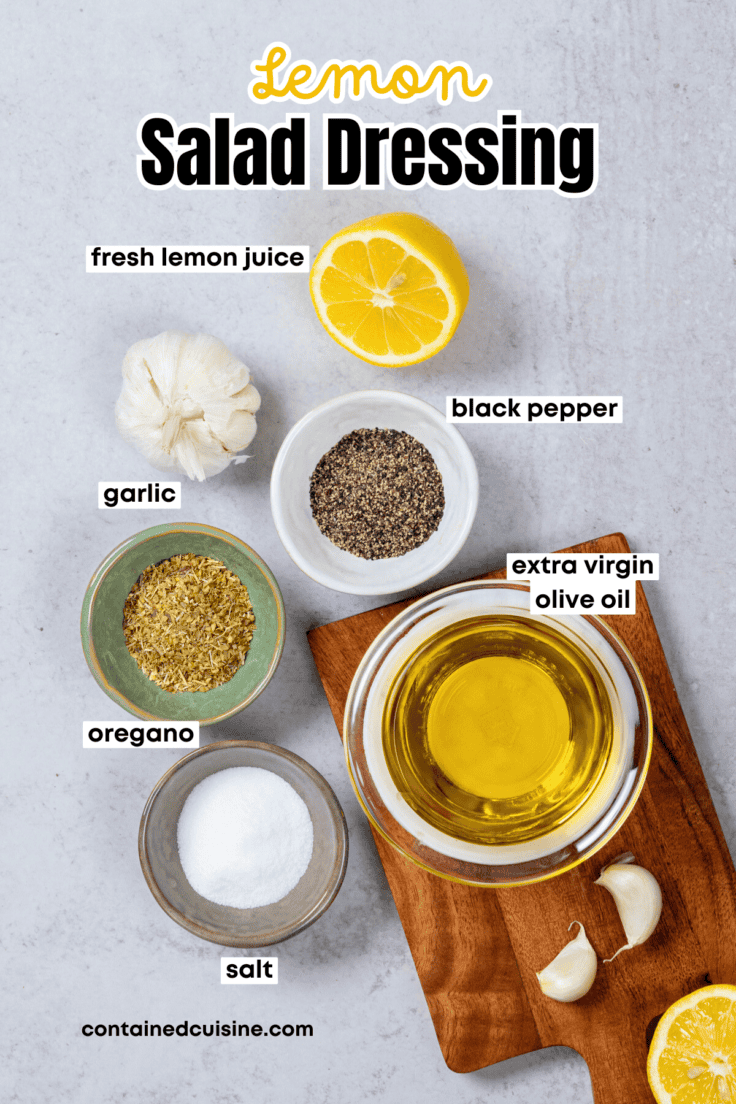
(692, 1059)
(391, 289)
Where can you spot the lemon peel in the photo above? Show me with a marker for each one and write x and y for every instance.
(391, 289)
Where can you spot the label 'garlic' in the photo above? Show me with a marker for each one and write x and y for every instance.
(570, 975)
(187, 403)
(638, 899)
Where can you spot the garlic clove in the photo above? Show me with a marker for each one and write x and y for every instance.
(570, 975)
(248, 398)
(235, 427)
(638, 900)
(199, 451)
(191, 450)
(239, 431)
(162, 356)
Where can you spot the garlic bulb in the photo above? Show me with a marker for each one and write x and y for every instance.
(570, 975)
(187, 403)
(638, 899)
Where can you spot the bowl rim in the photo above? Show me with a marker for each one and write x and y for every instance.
(116, 555)
(357, 688)
(333, 886)
(326, 578)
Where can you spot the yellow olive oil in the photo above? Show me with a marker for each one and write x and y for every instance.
(497, 730)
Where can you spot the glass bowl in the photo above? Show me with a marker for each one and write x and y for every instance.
(233, 927)
(103, 640)
(552, 852)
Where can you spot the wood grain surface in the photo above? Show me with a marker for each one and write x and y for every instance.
(476, 950)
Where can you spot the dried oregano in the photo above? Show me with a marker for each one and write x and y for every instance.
(188, 623)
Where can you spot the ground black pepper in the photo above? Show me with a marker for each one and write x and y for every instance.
(377, 493)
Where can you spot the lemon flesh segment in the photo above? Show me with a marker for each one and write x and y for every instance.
(692, 1058)
(391, 289)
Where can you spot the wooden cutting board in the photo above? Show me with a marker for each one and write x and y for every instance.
(476, 950)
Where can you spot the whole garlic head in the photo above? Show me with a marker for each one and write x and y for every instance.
(187, 403)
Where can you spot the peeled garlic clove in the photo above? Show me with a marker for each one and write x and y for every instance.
(638, 900)
(570, 976)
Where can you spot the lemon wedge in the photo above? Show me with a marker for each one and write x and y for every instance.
(391, 289)
(692, 1059)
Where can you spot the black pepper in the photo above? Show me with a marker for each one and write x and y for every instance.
(377, 493)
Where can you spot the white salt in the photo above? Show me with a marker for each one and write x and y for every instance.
(245, 837)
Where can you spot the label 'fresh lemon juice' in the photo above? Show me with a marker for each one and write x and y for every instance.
(497, 730)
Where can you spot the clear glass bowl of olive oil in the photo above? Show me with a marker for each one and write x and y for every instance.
(494, 746)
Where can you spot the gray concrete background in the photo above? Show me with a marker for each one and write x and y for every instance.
(628, 291)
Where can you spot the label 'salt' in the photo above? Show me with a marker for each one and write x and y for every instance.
(249, 971)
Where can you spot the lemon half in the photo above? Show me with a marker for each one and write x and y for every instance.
(692, 1059)
(391, 289)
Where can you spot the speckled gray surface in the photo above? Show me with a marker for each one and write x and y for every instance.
(628, 291)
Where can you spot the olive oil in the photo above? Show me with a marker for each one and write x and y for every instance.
(497, 730)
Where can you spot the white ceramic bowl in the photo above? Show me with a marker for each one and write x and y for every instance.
(322, 428)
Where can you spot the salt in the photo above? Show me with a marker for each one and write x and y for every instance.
(245, 837)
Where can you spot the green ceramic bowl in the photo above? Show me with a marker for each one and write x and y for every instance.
(102, 624)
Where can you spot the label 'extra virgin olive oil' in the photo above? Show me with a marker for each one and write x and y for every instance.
(497, 730)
